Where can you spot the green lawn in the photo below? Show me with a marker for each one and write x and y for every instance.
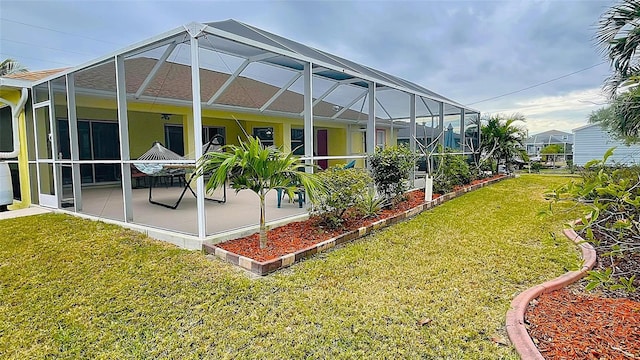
(72, 288)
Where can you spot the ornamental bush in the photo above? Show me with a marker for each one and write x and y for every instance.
(611, 222)
(391, 168)
(453, 170)
(344, 188)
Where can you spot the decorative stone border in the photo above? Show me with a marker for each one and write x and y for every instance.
(266, 267)
(516, 328)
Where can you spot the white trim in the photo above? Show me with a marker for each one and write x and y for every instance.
(226, 84)
(197, 133)
(280, 92)
(15, 83)
(154, 70)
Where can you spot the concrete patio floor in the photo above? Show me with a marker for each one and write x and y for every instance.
(240, 214)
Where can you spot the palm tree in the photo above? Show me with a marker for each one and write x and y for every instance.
(10, 66)
(618, 35)
(503, 139)
(622, 117)
(259, 169)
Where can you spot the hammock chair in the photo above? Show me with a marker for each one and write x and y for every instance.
(156, 170)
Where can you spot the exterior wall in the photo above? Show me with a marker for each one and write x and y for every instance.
(592, 142)
(146, 125)
(23, 165)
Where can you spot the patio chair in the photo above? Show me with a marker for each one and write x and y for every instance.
(299, 192)
(350, 165)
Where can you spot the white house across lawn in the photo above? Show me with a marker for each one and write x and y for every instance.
(592, 141)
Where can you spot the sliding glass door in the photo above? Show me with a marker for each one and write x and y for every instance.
(97, 140)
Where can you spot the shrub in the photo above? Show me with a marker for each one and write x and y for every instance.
(345, 188)
(371, 204)
(611, 221)
(453, 170)
(571, 167)
(536, 167)
(390, 168)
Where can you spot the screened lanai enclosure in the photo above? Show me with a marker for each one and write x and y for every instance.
(219, 80)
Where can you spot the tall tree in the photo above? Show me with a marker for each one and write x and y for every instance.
(502, 138)
(251, 166)
(10, 66)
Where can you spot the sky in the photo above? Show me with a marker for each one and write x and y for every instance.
(473, 52)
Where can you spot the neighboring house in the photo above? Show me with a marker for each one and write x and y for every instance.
(82, 128)
(535, 143)
(424, 134)
(592, 141)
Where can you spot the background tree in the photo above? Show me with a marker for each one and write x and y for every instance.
(250, 166)
(622, 117)
(504, 138)
(10, 66)
(618, 35)
(552, 151)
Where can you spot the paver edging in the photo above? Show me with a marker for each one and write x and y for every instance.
(516, 328)
(266, 267)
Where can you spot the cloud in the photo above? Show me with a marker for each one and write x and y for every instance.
(563, 112)
(465, 50)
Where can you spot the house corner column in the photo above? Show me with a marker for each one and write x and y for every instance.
(123, 127)
(462, 134)
(371, 121)
(73, 141)
(197, 132)
(412, 133)
(286, 137)
(441, 123)
(308, 115)
(479, 132)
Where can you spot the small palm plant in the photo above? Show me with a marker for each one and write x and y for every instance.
(259, 169)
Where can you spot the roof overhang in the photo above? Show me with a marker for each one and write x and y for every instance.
(8, 83)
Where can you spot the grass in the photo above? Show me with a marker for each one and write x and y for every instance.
(72, 288)
(561, 171)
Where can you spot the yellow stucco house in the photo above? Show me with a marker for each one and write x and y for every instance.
(70, 137)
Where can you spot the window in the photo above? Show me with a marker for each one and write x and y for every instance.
(6, 129)
(209, 132)
(381, 138)
(106, 142)
(297, 141)
(265, 134)
(15, 181)
(173, 138)
(97, 140)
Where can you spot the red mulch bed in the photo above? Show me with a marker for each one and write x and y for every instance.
(300, 235)
(567, 324)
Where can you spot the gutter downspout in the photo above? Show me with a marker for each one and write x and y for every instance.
(15, 114)
(6, 188)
